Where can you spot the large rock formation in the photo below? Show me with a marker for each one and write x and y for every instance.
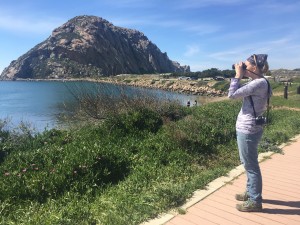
(89, 46)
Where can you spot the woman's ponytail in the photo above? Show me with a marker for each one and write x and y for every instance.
(265, 68)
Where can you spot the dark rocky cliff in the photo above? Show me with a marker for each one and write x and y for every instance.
(89, 46)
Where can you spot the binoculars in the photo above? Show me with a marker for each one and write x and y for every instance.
(243, 66)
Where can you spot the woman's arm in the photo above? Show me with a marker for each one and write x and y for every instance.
(237, 91)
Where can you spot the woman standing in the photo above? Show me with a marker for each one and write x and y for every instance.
(249, 131)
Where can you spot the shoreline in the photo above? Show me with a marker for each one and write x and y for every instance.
(188, 87)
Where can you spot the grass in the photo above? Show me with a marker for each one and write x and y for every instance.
(221, 85)
(294, 98)
(129, 168)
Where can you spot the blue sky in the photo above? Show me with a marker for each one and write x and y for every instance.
(201, 33)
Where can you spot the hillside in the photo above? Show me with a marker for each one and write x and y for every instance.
(285, 73)
(89, 46)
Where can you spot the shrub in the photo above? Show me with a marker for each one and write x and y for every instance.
(278, 120)
(207, 126)
(135, 121)
(53, 169)
(99, 101)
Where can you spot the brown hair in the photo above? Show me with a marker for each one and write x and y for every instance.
(265, 67)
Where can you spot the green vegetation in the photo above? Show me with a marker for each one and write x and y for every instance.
(213, 72)
(221, 85)
(128, 168)
(293, 98)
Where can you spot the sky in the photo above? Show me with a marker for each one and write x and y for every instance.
(203, 34)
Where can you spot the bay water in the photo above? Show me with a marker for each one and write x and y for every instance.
(39, 104)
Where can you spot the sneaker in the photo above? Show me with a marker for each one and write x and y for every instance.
(249, 206)
(242, 197)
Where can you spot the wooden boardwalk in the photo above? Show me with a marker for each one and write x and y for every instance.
(281, 196)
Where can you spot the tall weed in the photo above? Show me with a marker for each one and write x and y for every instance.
(100, 101)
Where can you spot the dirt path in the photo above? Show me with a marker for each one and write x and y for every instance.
(285, 107)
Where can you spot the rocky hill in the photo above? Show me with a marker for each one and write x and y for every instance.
(285, 73)
(89, 46)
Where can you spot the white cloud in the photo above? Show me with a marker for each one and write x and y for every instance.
(275, 7)
(192, 4)
(204, 65)
(201, 29)
(198, 29)
(192, 50)
(226, 55)
(130, 3)
(283, 53)
(11, 22)
(157, 21)
(236, 35)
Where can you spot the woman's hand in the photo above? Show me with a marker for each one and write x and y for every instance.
(239, 71)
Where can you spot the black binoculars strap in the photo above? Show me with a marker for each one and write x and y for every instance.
(251, 100)
(252, 103)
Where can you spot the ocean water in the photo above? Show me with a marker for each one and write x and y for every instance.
(34, 103)
(39, 104)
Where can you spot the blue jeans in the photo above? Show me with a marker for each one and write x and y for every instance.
(247, 144)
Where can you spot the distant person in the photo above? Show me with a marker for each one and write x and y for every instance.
(195, 103)
(249, 130)
(188, 104)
